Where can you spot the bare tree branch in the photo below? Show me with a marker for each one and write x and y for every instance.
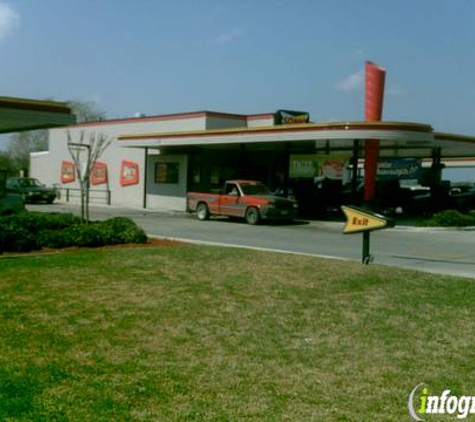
(91, 149)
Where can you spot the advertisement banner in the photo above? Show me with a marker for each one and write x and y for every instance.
(399, 168)
(98, 173)
(68, 172)
(129, 173)
(317, 165)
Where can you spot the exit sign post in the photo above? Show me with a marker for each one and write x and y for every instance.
(359, 220)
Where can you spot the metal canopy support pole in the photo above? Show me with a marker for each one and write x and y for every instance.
(354, 170)
(436, 177)
(190, 169)
(286, 169)
(242, 161)
(145, 171)
(437, 165)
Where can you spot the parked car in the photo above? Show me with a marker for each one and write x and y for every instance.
(9, 204)
(463, 196)
(390, 196)
(31, 189)
(246, 199)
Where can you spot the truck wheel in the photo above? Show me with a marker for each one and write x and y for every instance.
(252, 216)
(202, 212)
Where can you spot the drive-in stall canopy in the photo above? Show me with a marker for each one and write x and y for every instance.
(399, 139)
(21, 114)
(265, 153)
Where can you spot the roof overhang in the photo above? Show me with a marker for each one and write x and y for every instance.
(20, 114)
(400, 138)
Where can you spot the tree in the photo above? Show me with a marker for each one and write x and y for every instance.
(6, 163)
(22, 143)
(84, 154)
(86, 111)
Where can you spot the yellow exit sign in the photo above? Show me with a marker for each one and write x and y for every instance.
(359, 220)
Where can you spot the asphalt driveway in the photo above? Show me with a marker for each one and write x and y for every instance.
(434, 250)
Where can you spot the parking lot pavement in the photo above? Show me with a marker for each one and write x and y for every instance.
(439, 251)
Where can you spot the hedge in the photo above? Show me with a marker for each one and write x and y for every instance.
(451, 218)
(30, 231)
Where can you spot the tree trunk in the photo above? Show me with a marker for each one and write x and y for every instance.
(87, 202)
(83, 202)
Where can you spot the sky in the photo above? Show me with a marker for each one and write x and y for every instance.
(242, 56)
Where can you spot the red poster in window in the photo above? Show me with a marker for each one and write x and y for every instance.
(68, 172)
(129, 173)
(98, 173)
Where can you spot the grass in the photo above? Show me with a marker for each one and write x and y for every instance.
(192, 333)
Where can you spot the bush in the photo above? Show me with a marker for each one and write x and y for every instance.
(15, 238)
(114, 231)
(122, 230)
(451, 218)
(31, 231)
(35, 222)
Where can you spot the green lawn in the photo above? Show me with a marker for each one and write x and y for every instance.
(190, 333)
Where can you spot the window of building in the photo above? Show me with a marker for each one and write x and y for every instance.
(167, 172)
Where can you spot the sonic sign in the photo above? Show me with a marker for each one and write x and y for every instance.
(289, 117)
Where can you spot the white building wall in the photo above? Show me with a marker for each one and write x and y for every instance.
(215, 122)
(167, 196)
(255, 122)
(37, 167)
(47, 166)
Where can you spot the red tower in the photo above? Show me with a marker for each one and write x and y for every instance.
(374, 95)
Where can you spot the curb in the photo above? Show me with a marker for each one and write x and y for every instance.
(434, 229)
(254, 248)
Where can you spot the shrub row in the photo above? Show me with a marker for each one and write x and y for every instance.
(32, 231)
(451, 218)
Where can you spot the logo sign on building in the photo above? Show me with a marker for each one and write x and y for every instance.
(99, 173)
(288, 117)
(129, 173)
(399, 168)
(68, 172)
(314, 165)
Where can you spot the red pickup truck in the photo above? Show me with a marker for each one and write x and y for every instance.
(246, 199)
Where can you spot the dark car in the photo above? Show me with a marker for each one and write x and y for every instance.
(463, 195)
(32, 190)
(390, 196)
(9, 204)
